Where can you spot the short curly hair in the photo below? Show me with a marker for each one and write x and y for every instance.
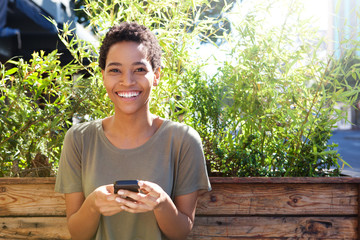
(131, 32)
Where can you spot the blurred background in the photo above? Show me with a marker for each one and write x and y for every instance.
(25, 28)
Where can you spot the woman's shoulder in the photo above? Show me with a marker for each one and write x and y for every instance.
(85, 128)
(176, 125)
(181, 129)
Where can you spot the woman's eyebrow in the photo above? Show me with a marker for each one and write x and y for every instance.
(119, 64)
(114, 64)
(138, 63)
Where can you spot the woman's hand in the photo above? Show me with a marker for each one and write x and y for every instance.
(175, 219)
(106, 201)
(152, 197)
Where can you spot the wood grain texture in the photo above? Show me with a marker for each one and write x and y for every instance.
(31, 200)
(280, 199)
(27, 180)
(281, 180)
(229, 199)
(206, 228)
(238, 209)
(34, 228)
(233, 180)
(274, 227)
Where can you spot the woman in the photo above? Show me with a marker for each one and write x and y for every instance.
(131, 144)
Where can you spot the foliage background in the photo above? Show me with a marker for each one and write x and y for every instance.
(268, 111)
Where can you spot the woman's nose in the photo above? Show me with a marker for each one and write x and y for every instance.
(127, 78)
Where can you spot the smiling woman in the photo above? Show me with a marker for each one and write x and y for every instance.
(131, 144)
(128, 78)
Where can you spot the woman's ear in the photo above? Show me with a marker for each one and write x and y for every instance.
(156, 77)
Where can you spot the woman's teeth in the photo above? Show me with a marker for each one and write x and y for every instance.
(128, 94)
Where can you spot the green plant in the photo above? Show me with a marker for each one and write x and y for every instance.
(35, 109)
(268, 111)
(39, 98)
(271, 108)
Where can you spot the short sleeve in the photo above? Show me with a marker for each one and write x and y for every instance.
(68, 178)
(192, 172)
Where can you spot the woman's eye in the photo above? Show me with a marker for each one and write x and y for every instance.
(114, 70)
(140, 70)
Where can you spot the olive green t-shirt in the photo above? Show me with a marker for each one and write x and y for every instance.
(172, 158)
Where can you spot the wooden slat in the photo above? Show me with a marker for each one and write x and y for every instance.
(358, 228)
(240, 199)
(31, 200)
(234, 180)
(281, 180)
(284, 199)
(274, 227)
(244, 208)
(34, 228)
(27, 180)
(206, 228)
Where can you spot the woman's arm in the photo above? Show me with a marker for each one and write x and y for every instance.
(175, 219)
(82, 217)
(83, 214)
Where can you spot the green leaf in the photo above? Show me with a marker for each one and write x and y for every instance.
(11, 71)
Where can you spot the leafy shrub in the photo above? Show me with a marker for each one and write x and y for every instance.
(271, 108)
(39, 98)
(36, 107)
(268, 111)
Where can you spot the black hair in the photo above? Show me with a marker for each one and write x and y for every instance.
(132, 32)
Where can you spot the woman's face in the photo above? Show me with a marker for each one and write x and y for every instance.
(128, 77)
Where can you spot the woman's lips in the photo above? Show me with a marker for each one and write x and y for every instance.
(128, 94)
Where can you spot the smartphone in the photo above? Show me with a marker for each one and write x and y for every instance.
(131, 185)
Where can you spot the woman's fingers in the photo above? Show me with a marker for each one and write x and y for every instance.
(110, 210)
(151, 196)
(109, 203)
(105, 200)
(150, 188)
(134, 206)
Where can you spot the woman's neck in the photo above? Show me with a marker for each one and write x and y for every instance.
(125, 131)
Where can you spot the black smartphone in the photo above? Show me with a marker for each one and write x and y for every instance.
(131, 185)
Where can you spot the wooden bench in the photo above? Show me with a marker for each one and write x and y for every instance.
(236, 208)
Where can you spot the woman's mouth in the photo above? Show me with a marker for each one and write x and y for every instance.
(128, 94)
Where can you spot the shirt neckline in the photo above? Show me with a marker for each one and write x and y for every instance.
(145, 145)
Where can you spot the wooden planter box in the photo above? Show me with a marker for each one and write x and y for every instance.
(240, 208)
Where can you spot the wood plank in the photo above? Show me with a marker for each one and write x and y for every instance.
(274, 228)
(239, 199)
(281, 199)
(214, 228)
(34, 228)
(281, 180)
(27, 180)
(234, 180)
(261, 208)
(358, 228)
(31, 200)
